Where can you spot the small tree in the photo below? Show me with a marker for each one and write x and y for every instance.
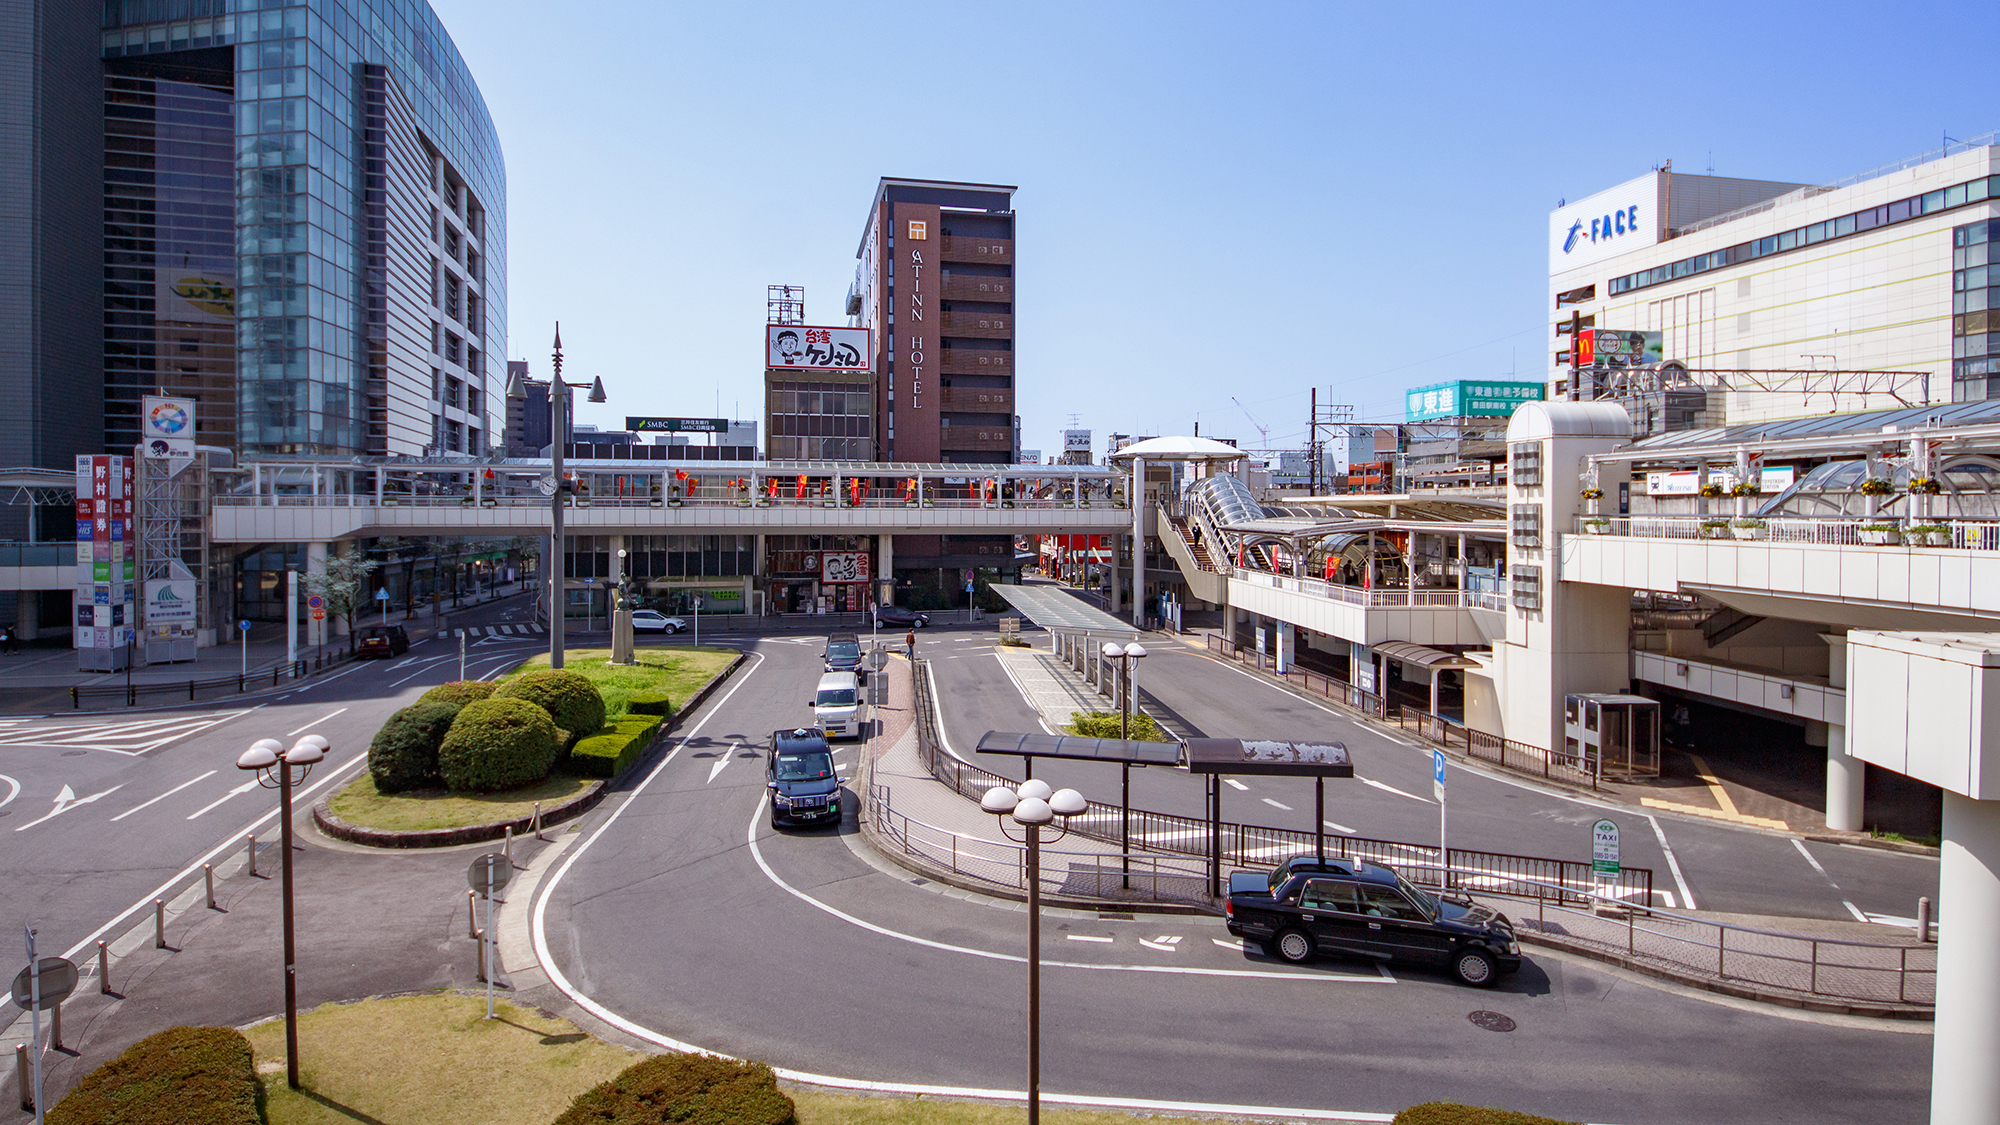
(344, 585)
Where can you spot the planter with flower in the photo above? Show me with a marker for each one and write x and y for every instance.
(1930, 534)
(1712, 490)
(1714, 529)
(1750, 528)
(1925, 486)
(1597, 525)
(1877, 486)
(1746, 488)
(1877, 534)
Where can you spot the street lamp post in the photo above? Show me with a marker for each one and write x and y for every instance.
(1032, 806)
(268, 757)
(559, 408)
(1127, 699)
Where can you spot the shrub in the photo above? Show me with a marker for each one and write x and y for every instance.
(695, 1089)
(611, 751)
(181, 1076)
(404, 754)
(1104, 724)
(649, 703)
(569, 698)
(1451, 1113)
(497, 744)
(460, 692)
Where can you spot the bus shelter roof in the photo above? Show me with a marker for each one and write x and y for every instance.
(1284, 759)
(1131, 752)
(1059, 611)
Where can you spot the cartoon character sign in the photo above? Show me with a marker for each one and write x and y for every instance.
(803, 347)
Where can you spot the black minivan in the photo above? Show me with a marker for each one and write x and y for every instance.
(843, 654)
(804, 787)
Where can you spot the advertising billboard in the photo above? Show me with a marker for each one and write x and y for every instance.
(676, 425)
(166, 426)
(1076, 441)
(1605, 225)
(1614, 347)
(805, 347)
(843, 566)
(1468, 398)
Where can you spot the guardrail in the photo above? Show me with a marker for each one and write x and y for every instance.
(1352, 595)
(1839, 531)
(1249, 845)
(130, 694)
(885, 500)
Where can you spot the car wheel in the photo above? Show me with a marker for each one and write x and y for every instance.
(1293, 946)
(671, 630)
(1474, 967)
(919, 623)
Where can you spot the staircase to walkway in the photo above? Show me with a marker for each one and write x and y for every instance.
(1204, 581)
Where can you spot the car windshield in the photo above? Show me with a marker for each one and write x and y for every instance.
(805, 767)
(1418, 896)
(835, 697)
(843, 651)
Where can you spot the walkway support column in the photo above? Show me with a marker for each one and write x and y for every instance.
(1138, 499)
(885, 574)
(317, 631)
(1846, 775)
(1965, 1085)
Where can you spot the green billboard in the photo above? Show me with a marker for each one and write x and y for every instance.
(1469, 398)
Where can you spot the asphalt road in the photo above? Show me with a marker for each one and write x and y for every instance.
(1721, 867)
(99, 810)
(681, 911)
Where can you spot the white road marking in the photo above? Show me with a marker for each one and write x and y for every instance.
(722, 761)
(1163, 947)
(1851, 908)
(130, 737)
(67, 800)
(1374, 784)
(315, 723)
(1277, 805)
(161, 797)
(1086, 937)
(1673, 865)
(13, 791)
(1235, 943)
(421, 670)
(238, 791)
(1338, 827)
(1668, 898)
(1230, 781)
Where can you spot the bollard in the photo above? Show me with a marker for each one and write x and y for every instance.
(104, 968)
(159, 923)
(472, 914)
(208, 879)
(1924, 919)
(55, 1026)
(538, 820)
(481, 974)
(507, 844)
(250, 849)
(23, 1079)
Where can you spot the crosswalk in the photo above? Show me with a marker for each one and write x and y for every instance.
(504, 630)
(130, 737)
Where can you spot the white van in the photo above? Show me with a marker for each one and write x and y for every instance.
(837, 705)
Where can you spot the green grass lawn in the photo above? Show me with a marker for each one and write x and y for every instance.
(420, 1060)
(423, 809)
(677, 671)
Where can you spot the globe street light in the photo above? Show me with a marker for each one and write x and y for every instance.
(273, 765)
(1032, 806)
(1125, 655)
(560, 404)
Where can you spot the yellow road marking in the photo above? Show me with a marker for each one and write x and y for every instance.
(1712, 814)
(1714, 786)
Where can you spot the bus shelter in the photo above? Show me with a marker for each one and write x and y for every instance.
(1126, 752)
(1221, 757)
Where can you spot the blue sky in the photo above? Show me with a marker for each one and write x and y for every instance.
(1216, 201)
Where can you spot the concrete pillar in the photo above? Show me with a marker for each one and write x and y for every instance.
(1138, 543)
(1846, 775)
(1228, 622)
(1282, 653)
(885, 563)
(1965, 1085)
(28, 612)
(1116, 578)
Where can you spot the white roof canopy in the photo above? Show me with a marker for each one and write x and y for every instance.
(1179, 449)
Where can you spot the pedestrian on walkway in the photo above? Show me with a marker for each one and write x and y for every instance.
(7, 640)
(910, 644)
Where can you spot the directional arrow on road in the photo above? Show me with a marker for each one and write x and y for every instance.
(239, 790)
(67, 800)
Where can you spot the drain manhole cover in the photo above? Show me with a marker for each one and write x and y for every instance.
(1492, 1021)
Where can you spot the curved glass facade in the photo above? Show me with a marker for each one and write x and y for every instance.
(369, 203)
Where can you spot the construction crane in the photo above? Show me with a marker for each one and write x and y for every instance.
(1263, 431)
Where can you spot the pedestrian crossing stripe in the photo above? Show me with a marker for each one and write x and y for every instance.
(504, 630)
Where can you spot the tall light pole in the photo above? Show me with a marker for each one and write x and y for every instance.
(1032, 806)
(559, 408)
(269, 757)
(1127, 698)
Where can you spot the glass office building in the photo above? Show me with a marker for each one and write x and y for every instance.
(305, 226)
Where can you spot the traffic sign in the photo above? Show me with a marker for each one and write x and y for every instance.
(381, 593)
(314, 601)
(1604, 848)
(319, 613)
(243, 625)
(489, 872)
(1437, 775)
(58, 981)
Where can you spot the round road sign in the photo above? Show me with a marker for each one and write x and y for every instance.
(316, 602)
(58, 981)
(489, 872)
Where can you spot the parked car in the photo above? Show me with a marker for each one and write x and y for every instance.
(1352, 908)
(896, 617)
(385, 641)
(843, 654)
(653, 621)
(837, 705)
(804, 787)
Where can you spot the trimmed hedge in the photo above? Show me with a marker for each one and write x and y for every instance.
(649, 703)
(612, 750)
(460, 692)
(1104, 724)
(404, 754)
(497, 744)
(690, 1089)
(569, 698)
(181, 1076)
(1451, 1113)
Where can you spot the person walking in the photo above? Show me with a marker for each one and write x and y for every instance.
(7, 640)
(910, 645)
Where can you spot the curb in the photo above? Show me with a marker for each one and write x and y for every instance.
(576, 806)
(1902, 847)
(1761, 994)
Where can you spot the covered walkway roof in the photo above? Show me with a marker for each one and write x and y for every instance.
(1411, 653)
(1078, 749)
(1059, 611)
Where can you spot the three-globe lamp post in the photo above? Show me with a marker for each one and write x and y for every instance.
(1032, 807)
(273, 765)
(1127, 699)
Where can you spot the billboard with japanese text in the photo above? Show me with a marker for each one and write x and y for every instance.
(805, 347)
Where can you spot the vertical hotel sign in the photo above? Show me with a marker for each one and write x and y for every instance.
(919, 232)
(104, 557)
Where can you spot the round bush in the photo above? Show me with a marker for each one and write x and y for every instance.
(460, 692)
(404, 754)
(497, 744)
(685, 1090)
(570, 699)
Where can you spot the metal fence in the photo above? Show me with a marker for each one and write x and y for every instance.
(129, 694)
(1258, 846)
(1837, 531)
